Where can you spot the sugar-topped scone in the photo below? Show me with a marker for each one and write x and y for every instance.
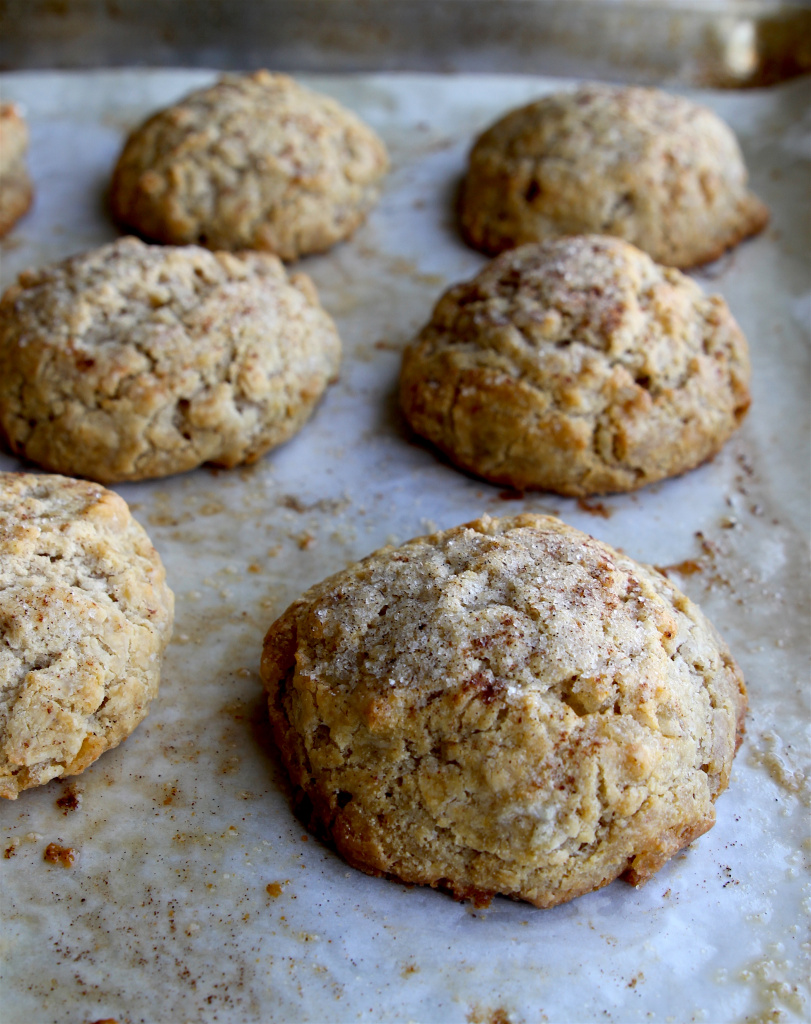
(254, 162)
(135, 361)
(509, 706)
(85, 615)
(649, 167)
(16, 190)
(577, 365)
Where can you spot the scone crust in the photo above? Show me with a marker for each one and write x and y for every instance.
(253, 162)
(85, 615)
(646, 166)
(579, 366)
(135, 361)
(16, 190)
(507, 707)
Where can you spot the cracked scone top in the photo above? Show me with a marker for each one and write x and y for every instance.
(135, 361)
(85, 614)
(253, 162)
(654, 169)
(506, 707)
(16, 190)
(577, 365)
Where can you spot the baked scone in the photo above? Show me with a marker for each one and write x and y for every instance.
(254, 162)
(85, 615)
(579, 366)
(507, 707)
(136, 361)
(16, 191)
(649, 167)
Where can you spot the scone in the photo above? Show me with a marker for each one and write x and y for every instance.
(253, 162)
(579, 366)
(136, 361)
(506, 707)
(654, 169)
(85, 615)
(16, 191)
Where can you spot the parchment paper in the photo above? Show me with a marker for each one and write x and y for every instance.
(195, 894)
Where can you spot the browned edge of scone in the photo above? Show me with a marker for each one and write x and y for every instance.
(15, 210)
(490, 245)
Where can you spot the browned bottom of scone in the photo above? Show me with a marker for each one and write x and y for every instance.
(751, 217)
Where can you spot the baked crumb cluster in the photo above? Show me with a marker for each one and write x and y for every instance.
(505, 707)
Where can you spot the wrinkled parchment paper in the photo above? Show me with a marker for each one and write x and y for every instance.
(195, 894)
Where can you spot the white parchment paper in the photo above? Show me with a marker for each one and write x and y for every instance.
(195, 894)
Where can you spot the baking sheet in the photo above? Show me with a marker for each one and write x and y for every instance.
(195, 894)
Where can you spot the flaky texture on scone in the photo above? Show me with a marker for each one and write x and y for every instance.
(16, 190)
(136, 361)
(579, 366)
(254, 162)
(649, 167)
(507, 707)
(85, 615)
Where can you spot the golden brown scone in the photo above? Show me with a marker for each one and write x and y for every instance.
(85, 615)
(136, 361)
(253, 162)
(654, 169)
(16, 191)
(579, 366)
(506, 707)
